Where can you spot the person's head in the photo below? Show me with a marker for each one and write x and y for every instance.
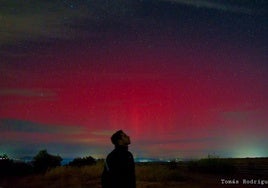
(119, 138)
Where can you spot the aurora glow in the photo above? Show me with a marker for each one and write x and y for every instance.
(182, 79)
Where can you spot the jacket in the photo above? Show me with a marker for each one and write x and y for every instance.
(119, 169)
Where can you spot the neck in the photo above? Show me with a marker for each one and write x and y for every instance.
(122, 147)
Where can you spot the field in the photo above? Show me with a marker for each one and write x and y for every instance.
(210, 172)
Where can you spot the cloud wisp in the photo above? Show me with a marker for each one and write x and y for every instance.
(217, 5)
(13, 125)
(26, 92)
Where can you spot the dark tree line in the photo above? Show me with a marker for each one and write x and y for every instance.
(83, 161)
(42, 162)
(9, 167)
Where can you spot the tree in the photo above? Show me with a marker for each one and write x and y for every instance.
(43, 161)
(5, 165)
(9, 167)
(83, 161)
(4, 157)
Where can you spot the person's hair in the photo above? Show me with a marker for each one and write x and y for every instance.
(116, 137)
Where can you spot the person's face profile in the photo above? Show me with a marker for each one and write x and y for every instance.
(125, 140)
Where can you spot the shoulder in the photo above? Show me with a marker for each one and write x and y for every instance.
(111, 154)
(129, 154)
(119, 154)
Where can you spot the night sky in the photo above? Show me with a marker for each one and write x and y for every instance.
(183, 78)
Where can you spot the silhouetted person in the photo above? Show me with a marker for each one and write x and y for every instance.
(119, 169)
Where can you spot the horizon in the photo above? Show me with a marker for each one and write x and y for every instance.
(182, 79)
(66, 160)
